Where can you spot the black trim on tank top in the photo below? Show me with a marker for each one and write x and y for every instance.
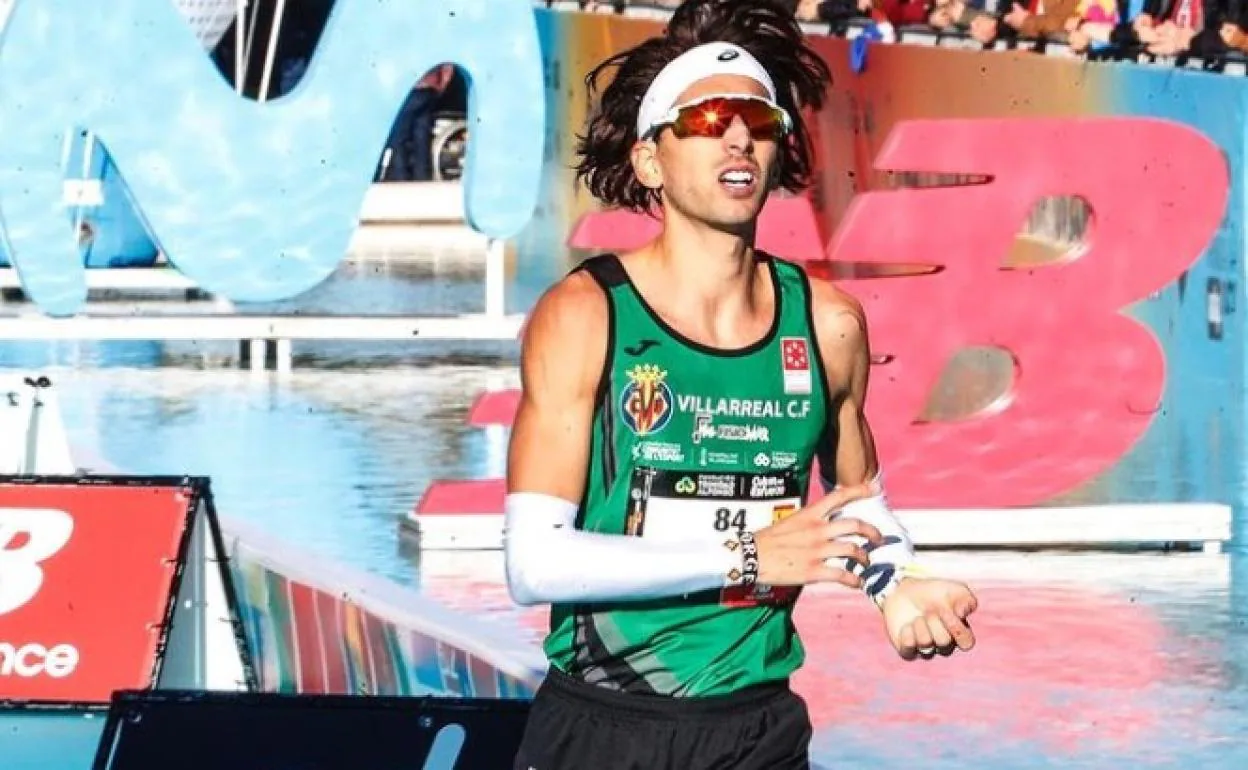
(607, 410)
(606, 271)
(753, 347)
(825, 447)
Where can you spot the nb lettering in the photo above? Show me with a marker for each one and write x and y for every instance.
(28, 538)
(1088, 379)
(31, 660)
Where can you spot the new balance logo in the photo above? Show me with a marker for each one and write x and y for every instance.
(28, 537)
(31, 660)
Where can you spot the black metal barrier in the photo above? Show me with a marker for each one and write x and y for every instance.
(264, 731)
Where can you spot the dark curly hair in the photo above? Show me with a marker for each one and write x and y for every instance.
(765, 28)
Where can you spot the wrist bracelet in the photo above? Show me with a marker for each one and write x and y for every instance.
(749, 559)
(747, 573)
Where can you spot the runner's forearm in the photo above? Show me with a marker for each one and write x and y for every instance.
(550, 561)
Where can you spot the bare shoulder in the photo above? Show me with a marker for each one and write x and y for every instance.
(574, 309)
(840, 322)
(565, 339)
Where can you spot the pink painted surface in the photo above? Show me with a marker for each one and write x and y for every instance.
(1087, 378)
(1063, 657)
(787, 227)
(1057, 675)
(790, 229)
(462, 497)
(495, 407)
(614, 230)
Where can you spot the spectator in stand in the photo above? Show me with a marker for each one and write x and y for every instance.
(617, 6)
(1040, 19)
(837, 13)
(1232, 29)
(1094, 26)
(1171, 27)
(887, 14)
(902, 13)
(946, 15)
(1167, 26)
(1205, 28)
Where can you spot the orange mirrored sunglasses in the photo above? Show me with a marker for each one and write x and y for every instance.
(710, 116)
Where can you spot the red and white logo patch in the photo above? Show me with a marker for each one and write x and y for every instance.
(795, 365)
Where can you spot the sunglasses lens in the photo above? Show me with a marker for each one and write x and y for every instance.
(712, 118)
(763, 121)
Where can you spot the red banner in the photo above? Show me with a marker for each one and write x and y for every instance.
(86, 575)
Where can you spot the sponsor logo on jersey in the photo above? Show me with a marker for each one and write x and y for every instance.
(658, 451)
(783, 460)
(716, 485)
(776, 460)
(707, 457)
(704, 427)
(706, 485)
(795, 365)
(646, 403)
(767, 486)
(640, 347)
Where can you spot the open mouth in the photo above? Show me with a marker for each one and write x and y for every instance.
(738, 180)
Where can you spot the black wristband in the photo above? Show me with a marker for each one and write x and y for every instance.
(749, 559)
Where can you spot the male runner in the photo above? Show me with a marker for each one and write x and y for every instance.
(674, 399)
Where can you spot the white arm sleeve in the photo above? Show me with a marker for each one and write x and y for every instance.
(897, 549)
(549, 560)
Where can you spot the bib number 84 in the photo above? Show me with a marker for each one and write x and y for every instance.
(726, 518)
(739, 520)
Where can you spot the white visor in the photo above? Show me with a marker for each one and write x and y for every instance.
(696, 64)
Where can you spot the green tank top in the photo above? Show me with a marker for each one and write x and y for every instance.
(695, 442)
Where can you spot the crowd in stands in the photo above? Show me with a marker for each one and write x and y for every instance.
(1206, 29)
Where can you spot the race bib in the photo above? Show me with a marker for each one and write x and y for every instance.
(675, 506)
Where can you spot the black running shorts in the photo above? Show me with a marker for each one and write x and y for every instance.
(577, 726)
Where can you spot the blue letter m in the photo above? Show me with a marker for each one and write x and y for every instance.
(253, 201)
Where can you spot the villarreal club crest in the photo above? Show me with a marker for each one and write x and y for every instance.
(646, 403)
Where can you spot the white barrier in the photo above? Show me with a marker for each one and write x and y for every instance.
(1207, 525)
(314, 626)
